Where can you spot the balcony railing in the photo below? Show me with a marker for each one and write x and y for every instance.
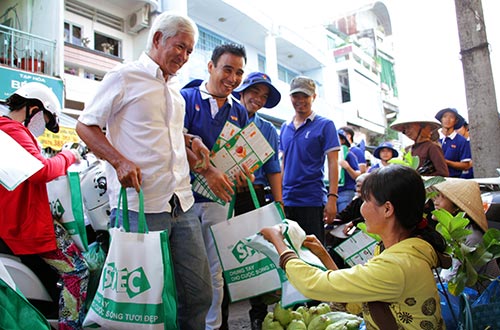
(90, 60)
(26, 51)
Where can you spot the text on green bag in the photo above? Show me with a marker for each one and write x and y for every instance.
(121, 280)
(57, 209)
(241, 251)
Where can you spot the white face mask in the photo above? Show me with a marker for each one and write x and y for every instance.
(37, 124)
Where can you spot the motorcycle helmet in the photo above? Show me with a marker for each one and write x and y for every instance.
(42, 93)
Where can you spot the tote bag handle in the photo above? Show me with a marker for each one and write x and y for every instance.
(142, 226)
(77, 206)
(233, 199)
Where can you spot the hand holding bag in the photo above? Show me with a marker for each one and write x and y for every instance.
(137, 285)
(247, 270)
(247, 273)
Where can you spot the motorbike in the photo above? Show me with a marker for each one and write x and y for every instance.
(33, 277)
(490, 194)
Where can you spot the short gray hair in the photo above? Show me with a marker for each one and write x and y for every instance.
(169, 24)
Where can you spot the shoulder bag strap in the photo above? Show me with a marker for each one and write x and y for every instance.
(77, 206)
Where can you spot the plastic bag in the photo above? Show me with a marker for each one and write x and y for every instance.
(491, 294)
(451, 312)
(95, 257)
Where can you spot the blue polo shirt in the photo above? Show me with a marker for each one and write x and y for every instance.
(350, 183)
(360, 155)
(457, 149)
(273, 164)
(468, 174)
(200, 121)
(304, 151)
(374, 167)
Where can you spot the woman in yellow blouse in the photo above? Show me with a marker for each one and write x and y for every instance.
(396, 288)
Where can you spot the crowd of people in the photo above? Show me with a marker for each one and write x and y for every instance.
(157, 133)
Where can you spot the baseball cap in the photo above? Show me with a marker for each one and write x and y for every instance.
(304, 85)
(342, 134)
(260, 78)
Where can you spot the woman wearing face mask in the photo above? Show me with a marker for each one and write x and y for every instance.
(27, 225)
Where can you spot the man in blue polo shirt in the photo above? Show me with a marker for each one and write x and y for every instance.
(348, 174)
(305, 142)
(209, 105)
(357, 151)
(455, 147)
(257, 92)
(464, 131)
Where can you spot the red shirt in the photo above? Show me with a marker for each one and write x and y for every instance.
(26, 223)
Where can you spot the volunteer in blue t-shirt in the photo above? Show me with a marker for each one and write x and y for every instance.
(456, 148)
(305, 142)
(464, 131)
(356, 150)
(256, 92)
(209, 105)
(385, 152)
(348, 174)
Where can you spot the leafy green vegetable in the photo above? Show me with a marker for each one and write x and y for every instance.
(453, 229)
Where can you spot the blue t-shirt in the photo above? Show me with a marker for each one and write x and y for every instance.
(457, 149)
(350, 183)
(199, 121)
(304, 151)
(360, 155)
(374, 167)
(273, 164)
(468, 174)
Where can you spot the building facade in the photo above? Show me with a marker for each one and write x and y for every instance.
(349, 56)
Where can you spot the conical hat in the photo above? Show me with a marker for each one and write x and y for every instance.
(466, 195)
(399, 123)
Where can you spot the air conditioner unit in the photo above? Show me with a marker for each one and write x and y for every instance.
(138, 20)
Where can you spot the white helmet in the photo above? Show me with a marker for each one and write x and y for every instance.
(40, 92)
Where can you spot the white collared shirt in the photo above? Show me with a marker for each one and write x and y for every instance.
(205, 94)
(144, 119)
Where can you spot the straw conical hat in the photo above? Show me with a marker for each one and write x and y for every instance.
(417, 117)
(466, 195)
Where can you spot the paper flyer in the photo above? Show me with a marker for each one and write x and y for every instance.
(357, 249)
(233, 148)
(16, 164)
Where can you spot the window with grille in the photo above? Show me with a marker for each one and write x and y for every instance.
(262, 63)
(208, 40)
(285, 74)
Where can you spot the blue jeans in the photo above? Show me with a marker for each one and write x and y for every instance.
(192, 274)
(345, 197)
